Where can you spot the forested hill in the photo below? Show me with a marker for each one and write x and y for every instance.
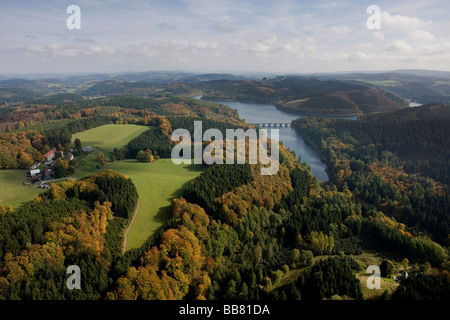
(17, 95)
(65, 107)
(402, 166)
(426, 112)
(306, 95)
(235, 234)
(419, 137)
(302, 95)
(74, 222)
(424, 86)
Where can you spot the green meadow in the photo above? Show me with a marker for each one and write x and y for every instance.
(109, 136)
(157, 184)
(12, 191)
(383, 83)
(87, 166)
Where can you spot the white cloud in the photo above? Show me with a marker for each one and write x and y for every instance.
(399, 46)
(68, 50)
(422, 35)
(399, 22)
(279, 35)
(437, 49)
(366, 46)
(358, 56)
(377, 35)
(334, 32)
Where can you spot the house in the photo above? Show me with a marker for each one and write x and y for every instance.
(49, 156)
(69, 156)
(88, 149)
(34, 166)
(35, 172)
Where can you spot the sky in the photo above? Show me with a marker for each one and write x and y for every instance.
(278, 36)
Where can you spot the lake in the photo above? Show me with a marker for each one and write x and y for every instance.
(254, 113)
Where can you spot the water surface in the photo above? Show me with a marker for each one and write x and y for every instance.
(263, 113)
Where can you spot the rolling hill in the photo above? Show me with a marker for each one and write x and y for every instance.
(424, 86)
(306, 95)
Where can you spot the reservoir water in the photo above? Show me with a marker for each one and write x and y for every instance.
(254, 113)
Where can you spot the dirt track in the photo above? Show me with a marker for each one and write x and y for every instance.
(124, 245)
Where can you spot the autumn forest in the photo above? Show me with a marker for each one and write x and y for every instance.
(230, 233)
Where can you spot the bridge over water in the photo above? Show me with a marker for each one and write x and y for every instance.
(272, 124)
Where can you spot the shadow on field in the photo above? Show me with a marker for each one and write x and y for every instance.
(164, 214)
(195, 168)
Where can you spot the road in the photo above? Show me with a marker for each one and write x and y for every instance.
(124, 245)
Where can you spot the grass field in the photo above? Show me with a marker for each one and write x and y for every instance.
(439, 82)
(13, 192)
(383, 83)
(157, 184)
(367, 259)
(88, 166)
(110, 136)
(373, 294)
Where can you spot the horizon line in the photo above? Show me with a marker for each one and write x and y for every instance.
(232, 72)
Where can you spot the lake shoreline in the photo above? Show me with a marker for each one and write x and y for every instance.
(304, 114)
(254, 113)
(318, 150)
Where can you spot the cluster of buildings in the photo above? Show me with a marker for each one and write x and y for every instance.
(43, 172)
